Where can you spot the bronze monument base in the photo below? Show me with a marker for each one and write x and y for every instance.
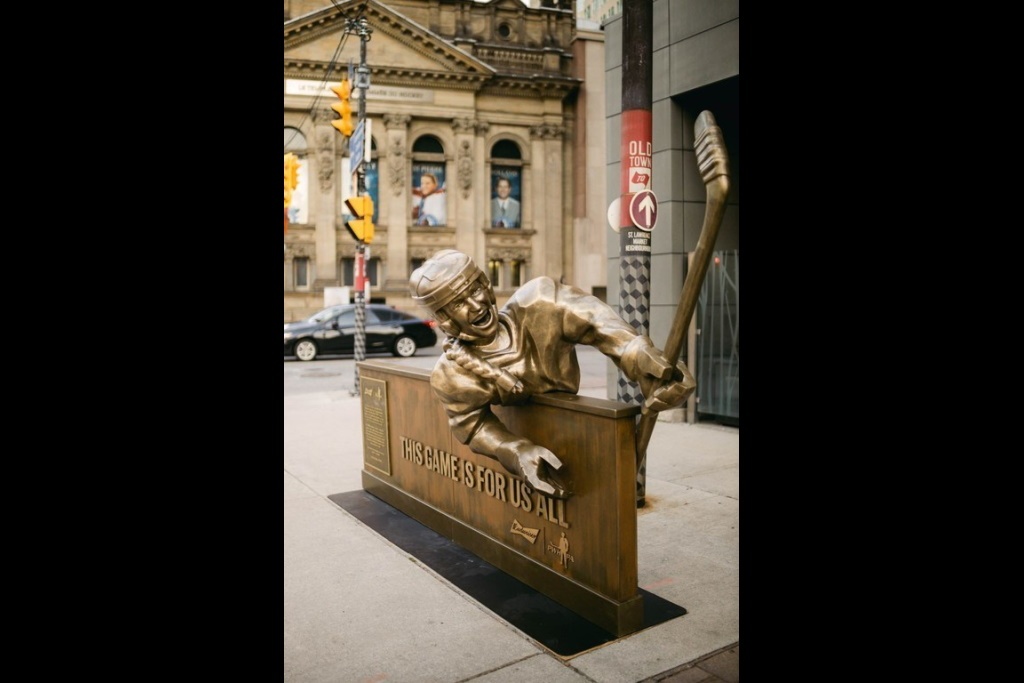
(580, 552)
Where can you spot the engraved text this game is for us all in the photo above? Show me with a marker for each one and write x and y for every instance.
(498, 485)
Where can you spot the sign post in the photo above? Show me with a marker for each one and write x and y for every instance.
(635, 162)
(355, 146)
(364, 233)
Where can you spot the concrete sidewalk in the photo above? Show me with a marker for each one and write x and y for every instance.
(359, 609)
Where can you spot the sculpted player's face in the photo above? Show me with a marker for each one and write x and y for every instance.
(474, 315)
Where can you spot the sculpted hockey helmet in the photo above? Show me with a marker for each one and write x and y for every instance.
(444, 276)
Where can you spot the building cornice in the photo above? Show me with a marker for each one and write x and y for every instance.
(388, 75)
(532, 86)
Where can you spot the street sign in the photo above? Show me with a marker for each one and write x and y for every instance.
(643, 210)
(355, 145)
(638, 155)
(358, 151)
(368, 135)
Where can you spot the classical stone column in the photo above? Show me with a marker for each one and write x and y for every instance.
(537, 202)
(547, 198)
(529, 200)
(568, 226)
(465, 225)
(289, 271)
(482, 196)
(327, 155)
(394, 189)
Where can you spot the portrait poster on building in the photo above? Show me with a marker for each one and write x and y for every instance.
(429, 202)
(506, 198)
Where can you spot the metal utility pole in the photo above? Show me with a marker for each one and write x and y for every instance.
(362, 285)
(638, 208)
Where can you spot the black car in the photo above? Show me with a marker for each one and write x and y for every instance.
(333, 330)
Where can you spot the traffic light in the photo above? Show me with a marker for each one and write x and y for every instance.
(291, 171)
(344, 109)
(291, 176)
(361, 227)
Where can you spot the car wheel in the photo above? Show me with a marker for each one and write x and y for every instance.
(404, 347)
(305, 349)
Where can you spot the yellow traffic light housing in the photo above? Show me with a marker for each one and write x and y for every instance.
(361, 227)
(291, 177)
(344, 109)
(291, 171)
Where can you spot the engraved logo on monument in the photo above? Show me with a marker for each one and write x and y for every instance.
(562, 550)
(526, 532)
(376, 453)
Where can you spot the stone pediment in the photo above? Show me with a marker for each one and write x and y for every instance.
(399, 51)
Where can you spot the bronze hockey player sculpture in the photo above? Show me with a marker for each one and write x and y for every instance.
(502, 357)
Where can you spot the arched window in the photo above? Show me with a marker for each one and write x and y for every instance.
(295, 142)
(505, 149)
(506, 185)
(429, 196)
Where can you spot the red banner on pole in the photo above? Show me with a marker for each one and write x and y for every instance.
(360, 270)
(635, 158)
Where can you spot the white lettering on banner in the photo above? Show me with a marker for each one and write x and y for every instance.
(318, 88)
(643, 148)
(639, 165)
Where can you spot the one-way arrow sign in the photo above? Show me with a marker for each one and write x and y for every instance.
(643, 210)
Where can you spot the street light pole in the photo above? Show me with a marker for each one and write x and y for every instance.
(362, 285)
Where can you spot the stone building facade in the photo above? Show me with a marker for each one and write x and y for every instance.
(469, 93)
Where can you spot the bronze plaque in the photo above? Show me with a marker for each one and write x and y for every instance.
(376, 452)
(581, 552)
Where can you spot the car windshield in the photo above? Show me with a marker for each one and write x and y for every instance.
(323, 315)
